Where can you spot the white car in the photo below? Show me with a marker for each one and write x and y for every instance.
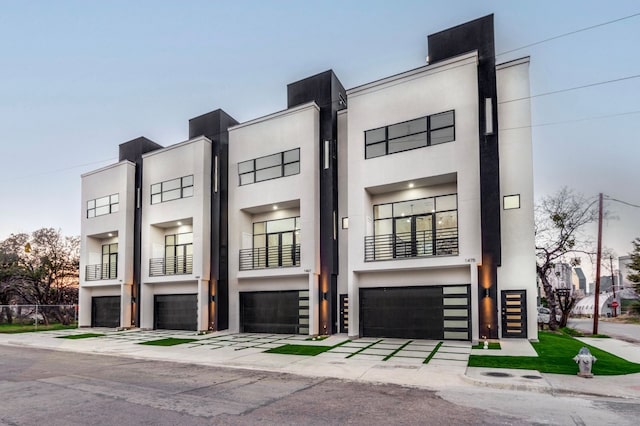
(543, 315)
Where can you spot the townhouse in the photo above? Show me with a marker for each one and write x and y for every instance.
(399, 208)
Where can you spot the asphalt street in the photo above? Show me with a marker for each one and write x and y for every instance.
(40, 386)
(629, 332)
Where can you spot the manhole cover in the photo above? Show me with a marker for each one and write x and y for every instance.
(497, 374)
(531, 377)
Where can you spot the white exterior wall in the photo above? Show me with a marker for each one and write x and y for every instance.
(518, 269)
(343, 207)
(118, 179)
(435, 170)
(192, 157)
(296, 195)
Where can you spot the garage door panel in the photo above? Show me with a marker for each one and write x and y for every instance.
(270, 312)
(414, 312)
(105, 311)
(176, 312)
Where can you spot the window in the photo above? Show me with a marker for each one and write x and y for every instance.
(275, 245)
(420, 132)
(172, 189)
(109, 261)
(178, 256)
(511, 202)
(102, 206)
(421, 227)
(274, 166)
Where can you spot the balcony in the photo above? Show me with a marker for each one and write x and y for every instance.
(405, 245)
(270, 257)
(175, 265)
(106, 271)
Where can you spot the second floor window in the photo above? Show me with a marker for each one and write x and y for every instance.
(103, 205)
(282, 164)
(425, 131)
(172, 189)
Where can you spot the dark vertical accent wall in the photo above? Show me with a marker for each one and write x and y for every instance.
(214, 125)
(478, 35)
(133, 151)
(329, 94)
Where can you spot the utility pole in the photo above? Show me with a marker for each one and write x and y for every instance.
(596, 305)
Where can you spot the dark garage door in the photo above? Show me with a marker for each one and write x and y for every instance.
(403, 312)
(105, 311)
(269, 312)
(434, 312)
(176, 312)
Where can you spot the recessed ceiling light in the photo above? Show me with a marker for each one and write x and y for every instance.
(110, 234)
(411, 185)
(275, 207)
(179, 223)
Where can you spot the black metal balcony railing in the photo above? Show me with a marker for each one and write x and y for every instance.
(173, 265)
(408, 244)
(105, 271)
(270, 257)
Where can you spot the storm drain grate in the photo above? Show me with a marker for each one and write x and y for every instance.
(496, 374)
(528, 376)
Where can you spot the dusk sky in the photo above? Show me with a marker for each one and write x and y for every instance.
(77, 78)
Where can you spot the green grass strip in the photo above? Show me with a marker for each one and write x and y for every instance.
(396, 351)
(169, 341)
(362, 349)
(433, 352)
(309, 350)
(555, 355)
(30, 328)
(81, 336)
(492, 345)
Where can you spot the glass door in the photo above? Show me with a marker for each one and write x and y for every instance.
(424, 235)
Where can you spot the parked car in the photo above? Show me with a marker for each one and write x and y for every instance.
(543, 315)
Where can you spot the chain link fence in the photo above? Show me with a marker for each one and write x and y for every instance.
(39, 314)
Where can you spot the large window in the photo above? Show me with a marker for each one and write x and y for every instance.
(422, 227)
(275, 244)
(109, 261)
(102, 206)
(172, 189)
(178, 256)
(285, 163)
(425, 131)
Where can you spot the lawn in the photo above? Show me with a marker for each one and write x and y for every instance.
(28, 328)
(81, 336)
(555, 355)
(299, 350)
(169, 341)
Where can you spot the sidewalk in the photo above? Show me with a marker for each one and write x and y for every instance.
(377, 360)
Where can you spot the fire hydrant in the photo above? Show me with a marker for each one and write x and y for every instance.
(585, 361)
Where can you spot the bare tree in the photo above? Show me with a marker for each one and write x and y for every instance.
(560, 222)
(46, 269)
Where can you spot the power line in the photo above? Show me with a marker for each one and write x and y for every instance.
(599, 83)
(577, 120)
(62, 170)
(623, 202)
(570, 33)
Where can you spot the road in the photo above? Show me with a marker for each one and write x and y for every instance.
(62, 388)
(629, 332)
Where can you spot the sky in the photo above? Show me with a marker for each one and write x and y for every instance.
(78, 78)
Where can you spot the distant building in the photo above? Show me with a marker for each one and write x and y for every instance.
(582, 280)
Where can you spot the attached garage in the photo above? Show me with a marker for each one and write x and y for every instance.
(281, 312)
(420, 312)
(105, 311)
(176, 312)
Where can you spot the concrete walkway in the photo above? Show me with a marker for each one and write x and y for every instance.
(421, 363)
